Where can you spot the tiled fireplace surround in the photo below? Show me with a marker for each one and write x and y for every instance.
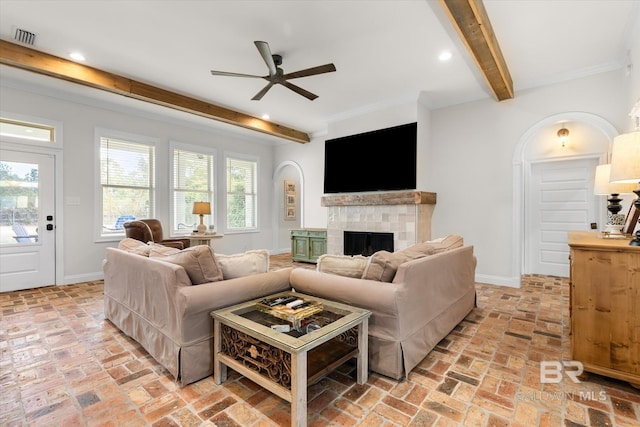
(406, 214)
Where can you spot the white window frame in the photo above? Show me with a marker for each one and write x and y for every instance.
(38, 122)
(100, 133)
(256, 160)
(207, 151)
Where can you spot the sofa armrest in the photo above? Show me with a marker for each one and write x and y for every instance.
(368, 294)
(146, 286)
(195, 303)
(433, 284)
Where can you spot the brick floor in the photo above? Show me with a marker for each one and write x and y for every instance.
(62, 363)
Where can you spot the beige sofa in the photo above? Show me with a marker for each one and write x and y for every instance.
(154, 302)
(426, 299)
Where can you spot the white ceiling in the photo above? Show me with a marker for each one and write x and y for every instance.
(385, 52)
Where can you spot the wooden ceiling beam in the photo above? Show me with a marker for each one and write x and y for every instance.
(470, 19)
(29, 59)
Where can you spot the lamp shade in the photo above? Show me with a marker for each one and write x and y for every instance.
(201, 208)
(625, 158)
(602, 186)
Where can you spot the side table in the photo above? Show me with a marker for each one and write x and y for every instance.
(204, 239)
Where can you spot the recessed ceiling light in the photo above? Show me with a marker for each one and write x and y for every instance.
(77, 56)
(265, 116)
(445, 56)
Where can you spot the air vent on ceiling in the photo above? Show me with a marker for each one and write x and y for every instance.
(24, 37)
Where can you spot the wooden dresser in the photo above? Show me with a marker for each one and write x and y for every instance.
(605, 305)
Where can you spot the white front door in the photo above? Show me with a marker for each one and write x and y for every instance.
(560, 199)
(27, 223)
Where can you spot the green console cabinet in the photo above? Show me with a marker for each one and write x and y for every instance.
(307, 244)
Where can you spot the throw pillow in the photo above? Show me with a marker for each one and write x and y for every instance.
(342, 265)
(159, 251)
(134, 246)
(447, 243)
(238, 265)
(199, 263)
(382, 266)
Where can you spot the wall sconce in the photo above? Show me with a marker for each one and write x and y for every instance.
(563, 135)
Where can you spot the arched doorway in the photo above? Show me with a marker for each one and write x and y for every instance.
(283, 218)
(537, 153)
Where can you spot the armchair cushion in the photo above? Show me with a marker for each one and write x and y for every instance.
(150, 230)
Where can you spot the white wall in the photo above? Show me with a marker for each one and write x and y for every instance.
(472, 169)
(82, 255)
(466, 157)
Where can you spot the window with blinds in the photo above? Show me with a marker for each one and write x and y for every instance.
(193, 174)
(242, 194)
(127, 181)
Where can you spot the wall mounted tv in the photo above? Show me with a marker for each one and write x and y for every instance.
(380, 160)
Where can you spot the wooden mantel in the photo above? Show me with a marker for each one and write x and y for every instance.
(411, 197)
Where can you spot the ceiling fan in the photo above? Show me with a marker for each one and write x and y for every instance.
(277, 76)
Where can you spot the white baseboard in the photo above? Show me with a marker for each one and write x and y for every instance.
(511, 282)
(280, 251)
(79, 278)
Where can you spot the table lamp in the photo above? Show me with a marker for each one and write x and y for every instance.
(625, 165)
(602, 187)
(202, 209)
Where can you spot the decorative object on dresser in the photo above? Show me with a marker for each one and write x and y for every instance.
(602, 187)
(625, 164)
(307, 244)
(604, 301)
(202, 209)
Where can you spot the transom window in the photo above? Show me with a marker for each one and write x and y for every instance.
(27, 131)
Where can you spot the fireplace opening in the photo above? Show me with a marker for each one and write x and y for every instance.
(366, 243)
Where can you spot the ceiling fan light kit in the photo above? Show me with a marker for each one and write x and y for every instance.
(276, 74)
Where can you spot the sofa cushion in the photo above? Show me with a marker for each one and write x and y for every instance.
(430, 247)
(239, 265)
(159, 251)
(342, 265)
(134, 246)
(198, 261)
(382, 266)
(447, 243)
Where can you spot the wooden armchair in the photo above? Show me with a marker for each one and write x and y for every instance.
(150, 230)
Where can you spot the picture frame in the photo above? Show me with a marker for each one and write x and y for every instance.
(290, 200)
(632, 219)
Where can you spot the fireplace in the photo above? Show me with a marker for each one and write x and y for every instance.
(404, 214)
(366, 243)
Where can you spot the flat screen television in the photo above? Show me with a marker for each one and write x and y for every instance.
(380, 160)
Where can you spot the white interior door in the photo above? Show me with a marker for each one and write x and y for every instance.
(27, 227)
(560, 199)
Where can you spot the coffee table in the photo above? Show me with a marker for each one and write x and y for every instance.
(286, 363)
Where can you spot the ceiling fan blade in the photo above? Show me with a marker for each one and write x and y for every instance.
(260, 94)
(327, 68)
(297, 89)
(225, 73)
(265, 52)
